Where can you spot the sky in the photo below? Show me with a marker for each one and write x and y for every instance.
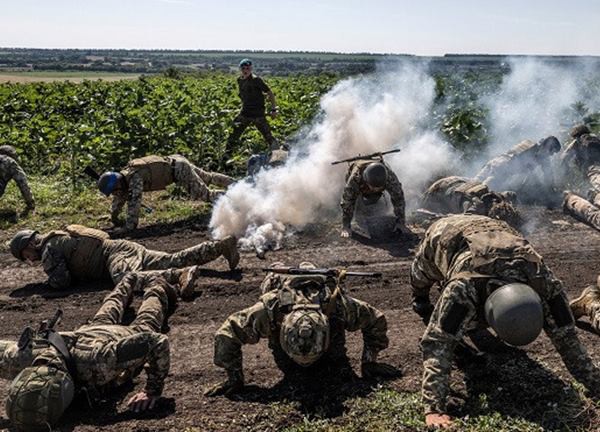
(425, 27)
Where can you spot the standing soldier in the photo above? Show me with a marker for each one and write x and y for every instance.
(83, 254)
(454, 195)
(153, 173)
(489, 275)
(368, 179)
(305, 318)
(10, 170)
(515, 170)
(50, 367)
(584, 152)
(252, 89)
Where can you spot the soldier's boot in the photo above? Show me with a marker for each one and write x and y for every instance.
(171, 292)
(228, 248)
(187, 282)
(582, 305)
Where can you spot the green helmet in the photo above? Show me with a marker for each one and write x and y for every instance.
(304, 334)
(579, 130)
(20, 242)
(38, 396)
(515, 313)
(375, 175)
(9, 151)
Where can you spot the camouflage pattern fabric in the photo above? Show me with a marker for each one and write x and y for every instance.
(584, 151)
(512, 170)
(106, 353)
(241, 123)
(454, 195)
(263, 320)
(469, 257)
(356, 187)
(582, 209)
(10, 170)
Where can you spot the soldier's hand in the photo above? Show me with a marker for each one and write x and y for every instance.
(233, 384)
(434, 420)
(402, 229)
(142, 401)
(345, 233)
(379, 370)
(423, 307)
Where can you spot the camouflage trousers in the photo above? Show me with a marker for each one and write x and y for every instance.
(593, 175)
(196, 180)
(124, 256)
(241, 123)
(582, 209)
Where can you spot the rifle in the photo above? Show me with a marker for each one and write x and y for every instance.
(43, 329)
(422, 213)
(334, 272)
(372, 156)
(91, 172)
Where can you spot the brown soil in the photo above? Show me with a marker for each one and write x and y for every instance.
(571, 250)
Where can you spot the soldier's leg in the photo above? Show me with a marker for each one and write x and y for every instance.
(115, 303)
(215, 178)
(593, 176)
(159, 298)
(581, 209)
(240, 123)
(196, 255)
(185, 175)
(124, 256)
(263, 127)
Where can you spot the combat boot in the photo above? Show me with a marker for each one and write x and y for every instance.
(229, 250)
(187, 282)
(582, 305)
(171, 292)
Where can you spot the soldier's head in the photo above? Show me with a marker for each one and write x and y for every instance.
(9, 151)
(24, 246)
(304, 334)
(502, 209)
(579, 130)
(109, 182)
(550, 144)
(246, 67)
(375, 176)
(38, 397)
(515, 313)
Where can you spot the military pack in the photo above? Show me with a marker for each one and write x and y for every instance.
(156, 172)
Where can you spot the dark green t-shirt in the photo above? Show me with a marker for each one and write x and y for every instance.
(251, 91)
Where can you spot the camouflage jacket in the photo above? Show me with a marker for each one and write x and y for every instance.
(10, 170)
(454, 195)
(355, 187)
(263, 320)
(585, 151)
(469, 257)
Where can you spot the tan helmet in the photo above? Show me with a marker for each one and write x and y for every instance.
(38, 397)
(9, 151)
(304, 334)
(579, 130)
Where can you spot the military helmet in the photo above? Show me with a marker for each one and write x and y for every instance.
(504, 210)
(515, 313)
(245, 62)
(375, 175)
(108, 182)
(304, 334)
(20, 241)
(579, 130)
(551, 143)
(38, 396)
(9, 151)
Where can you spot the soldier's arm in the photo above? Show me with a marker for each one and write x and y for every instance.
(349, 197)
(244, 327)
(21, 180)
(55, 266)
(134, 201)
(424, 272)
(359, 315)
(119, 200)
(147, 348)
(13, 360)
(568, 153)
(394, 188)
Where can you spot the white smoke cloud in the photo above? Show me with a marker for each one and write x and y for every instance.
(359, 115)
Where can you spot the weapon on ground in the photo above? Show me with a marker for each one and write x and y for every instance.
(335, 272)
(52, 323)
(421, 213)
(372, 156)
(91, 172)
(45, 326)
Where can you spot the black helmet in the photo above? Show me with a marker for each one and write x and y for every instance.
(551, 143)
(375, 175)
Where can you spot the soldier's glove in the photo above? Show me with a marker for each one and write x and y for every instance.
(233, 384)
(423, 307)
(373, 370)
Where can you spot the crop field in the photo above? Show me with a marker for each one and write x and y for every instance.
(60, 127)
(76, 77)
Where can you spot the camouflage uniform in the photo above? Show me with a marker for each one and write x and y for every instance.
(66, 257)
(153, 173)
(106, 354)
(10, 170)
(470, 256)
(499, 173)
(585, 152)
(455, 195)
(263, 320)
(582, 210)
(272, 159)
(356, 186)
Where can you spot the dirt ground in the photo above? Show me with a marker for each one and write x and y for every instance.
(571, 250)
